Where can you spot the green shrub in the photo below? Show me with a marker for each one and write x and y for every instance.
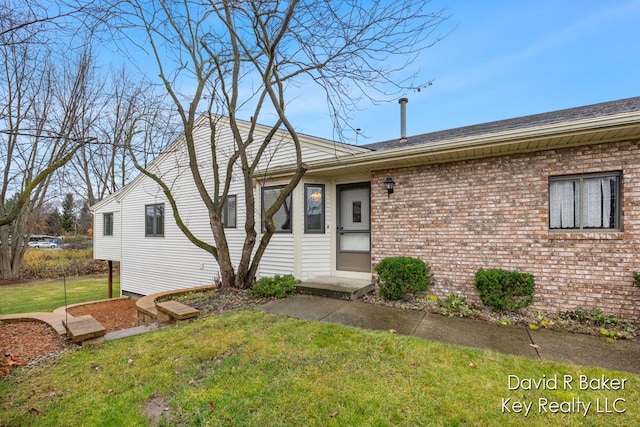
(636, 278)
(277, 286)
(505, 290)
(399, 275)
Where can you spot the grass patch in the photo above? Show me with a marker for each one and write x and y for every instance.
(252, 368)
(47, 295)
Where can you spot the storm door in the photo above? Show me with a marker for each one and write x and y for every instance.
(353, 248)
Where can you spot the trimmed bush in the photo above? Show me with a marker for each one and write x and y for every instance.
(505, 290)
(399, 275)
(277, 286)
(636, 278)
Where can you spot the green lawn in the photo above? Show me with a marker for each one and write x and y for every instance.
(250, 368)
(47, 295)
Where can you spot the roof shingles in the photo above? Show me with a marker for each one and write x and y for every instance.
(627, 105)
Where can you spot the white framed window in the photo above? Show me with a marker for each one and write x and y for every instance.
(585, 202)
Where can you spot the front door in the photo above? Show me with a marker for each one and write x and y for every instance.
(354, 227)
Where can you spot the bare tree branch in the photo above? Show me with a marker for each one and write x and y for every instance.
(243, 57)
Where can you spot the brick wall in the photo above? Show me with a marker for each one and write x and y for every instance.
(493, 213)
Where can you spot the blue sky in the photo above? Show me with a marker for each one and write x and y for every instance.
(508, 59)
(503, 59)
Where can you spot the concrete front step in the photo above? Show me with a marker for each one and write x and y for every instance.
(335, 287)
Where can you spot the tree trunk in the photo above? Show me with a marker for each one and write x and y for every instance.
(11, 261)
(5, 263)
(227, 274)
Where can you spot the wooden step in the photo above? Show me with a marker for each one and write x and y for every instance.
(85, 330)
(172, 311)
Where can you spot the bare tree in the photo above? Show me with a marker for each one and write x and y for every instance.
(31, 14)
(41, 100)
(244, 56)
(128, 108)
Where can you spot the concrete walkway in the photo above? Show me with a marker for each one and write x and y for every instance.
(518, 340)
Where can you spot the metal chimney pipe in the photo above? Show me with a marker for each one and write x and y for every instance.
(403, 119)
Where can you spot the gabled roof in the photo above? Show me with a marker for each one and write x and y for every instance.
(519, 123)
(99, 204)
(336, 149)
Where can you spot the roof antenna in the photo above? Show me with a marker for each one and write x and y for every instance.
(403, 119)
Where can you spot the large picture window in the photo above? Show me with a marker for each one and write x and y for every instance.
(154, 220)
(229, 212)
(107, 224)
(585, 202)
(282, 218)
(314, 208)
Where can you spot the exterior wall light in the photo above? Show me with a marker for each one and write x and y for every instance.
(389, 184)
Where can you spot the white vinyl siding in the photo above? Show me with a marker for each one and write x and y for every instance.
(150, 265)
(278, 258)
(107, 247)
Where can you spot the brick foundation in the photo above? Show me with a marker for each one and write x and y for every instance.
(493, 213)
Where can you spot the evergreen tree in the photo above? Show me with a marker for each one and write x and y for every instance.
(67, 220)
(85, 219)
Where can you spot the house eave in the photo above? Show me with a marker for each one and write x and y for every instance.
(549, 137)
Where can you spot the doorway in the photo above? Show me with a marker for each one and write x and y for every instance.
(353, 247)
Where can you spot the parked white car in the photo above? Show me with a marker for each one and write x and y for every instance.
(43, 245)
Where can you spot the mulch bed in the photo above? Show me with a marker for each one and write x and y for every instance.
(113, 315)
(24, 342)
